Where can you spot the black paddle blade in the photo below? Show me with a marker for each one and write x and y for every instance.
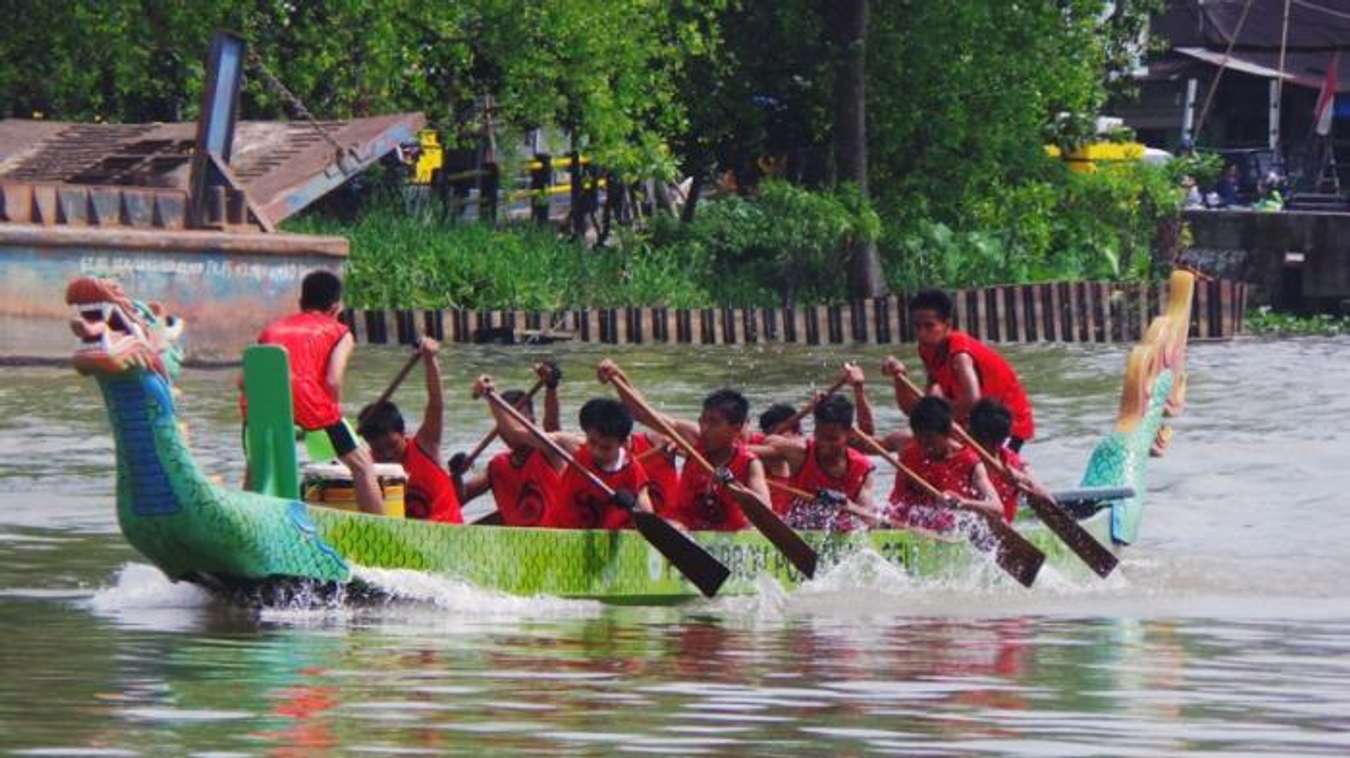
(1097, 557)
(697, 565)
(783, 537)
(1012, 552)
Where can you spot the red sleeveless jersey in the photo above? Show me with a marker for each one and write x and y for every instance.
(430, 493)
(580, 505)
(1008, 494)
(663, 479)
(524, 494)
(911, 504)
(309, 339)
(997, 378)
(812, 478)
(705, 504)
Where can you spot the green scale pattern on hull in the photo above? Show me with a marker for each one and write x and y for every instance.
(619, 566)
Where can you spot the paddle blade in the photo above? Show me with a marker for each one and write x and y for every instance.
(783, 537)
(1097, 557)
(1012, 552)
(697, 565)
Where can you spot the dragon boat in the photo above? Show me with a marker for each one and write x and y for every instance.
(263, 546)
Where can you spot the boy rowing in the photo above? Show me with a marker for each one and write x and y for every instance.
(952, 469)
(824, 463)
(524, 481)
(704, 500)
(602, 449)
(430, 492)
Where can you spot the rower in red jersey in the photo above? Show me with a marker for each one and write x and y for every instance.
(522, 479)
(603, 450)
(703, 501)
(430, 492)
(990, 425)
(962, 369)
(941, 461)
(777, 471)
(824, 463)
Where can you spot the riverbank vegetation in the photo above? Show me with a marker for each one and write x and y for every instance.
(1265, 321)
(831, 149)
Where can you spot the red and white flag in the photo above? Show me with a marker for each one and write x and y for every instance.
(1326, 99)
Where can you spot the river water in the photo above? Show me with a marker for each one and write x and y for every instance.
(1225, 631)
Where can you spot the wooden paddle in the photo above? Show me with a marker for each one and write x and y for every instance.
(788, 542)
(697, 565)
(1014, 554)
(796, 418)
(389, 391)
(1101, 560)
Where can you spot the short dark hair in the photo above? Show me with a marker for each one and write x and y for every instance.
(931, 414)
(319, 290)
(513, 398)
(834, 409)
(379, 419)
(731, 404)
(936, 301)
(990, 421)
(775, 415)
(607, 417)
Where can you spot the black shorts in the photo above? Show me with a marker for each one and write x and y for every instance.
(341, 436)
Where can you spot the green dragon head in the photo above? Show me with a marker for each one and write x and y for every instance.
(118, 335)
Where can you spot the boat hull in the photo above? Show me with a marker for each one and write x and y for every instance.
(620, 567)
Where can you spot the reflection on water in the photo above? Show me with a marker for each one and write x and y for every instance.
(1226, 630)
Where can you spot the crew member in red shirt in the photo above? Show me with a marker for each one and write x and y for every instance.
(777, 471)
(942, 462)
(318, 347)
(962, 369)
(704, 499)
(824, 463)
(430, 493)
(602, 450)
(524, 482)
(990, 424)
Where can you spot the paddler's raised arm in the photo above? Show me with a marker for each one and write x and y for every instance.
(551, 376)
(607, 370)
(516, 435)
(854, 377)
(430, 432)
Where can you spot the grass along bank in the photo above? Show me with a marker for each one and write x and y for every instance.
(780, 245)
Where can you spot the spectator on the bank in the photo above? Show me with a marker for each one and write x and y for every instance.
(1228, 187)
(1193, 197)
(1269, 198)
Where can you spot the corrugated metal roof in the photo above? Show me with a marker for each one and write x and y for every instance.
(283, 166)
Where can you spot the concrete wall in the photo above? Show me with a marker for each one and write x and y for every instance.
(226, 285)
(1256, 247)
